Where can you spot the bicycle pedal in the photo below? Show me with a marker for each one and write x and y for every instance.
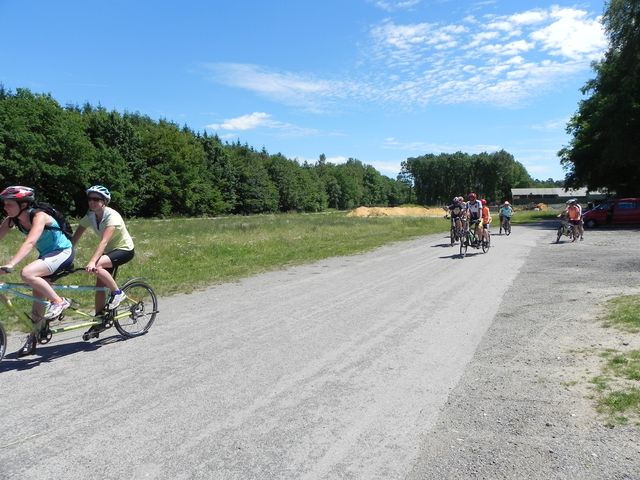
(93, 332)
(89, 335)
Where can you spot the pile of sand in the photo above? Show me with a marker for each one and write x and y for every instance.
(396, 212)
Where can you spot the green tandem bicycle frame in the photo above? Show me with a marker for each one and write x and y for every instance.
(140, 306)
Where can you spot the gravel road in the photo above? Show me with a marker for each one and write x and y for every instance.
(405, 362)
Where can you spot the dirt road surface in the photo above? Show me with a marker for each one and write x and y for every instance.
(405, 362)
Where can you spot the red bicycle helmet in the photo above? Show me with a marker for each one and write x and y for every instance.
(472, 196)
(483, 201)
(18, 193)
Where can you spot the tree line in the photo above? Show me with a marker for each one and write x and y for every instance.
(438, 178)
(157, 168)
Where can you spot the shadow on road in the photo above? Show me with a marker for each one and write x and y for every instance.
(49, 352)
(457, 256)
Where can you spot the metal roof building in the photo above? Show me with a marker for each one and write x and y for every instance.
(552, 195)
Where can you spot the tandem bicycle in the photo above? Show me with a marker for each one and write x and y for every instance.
(132, 318)
(469, 239)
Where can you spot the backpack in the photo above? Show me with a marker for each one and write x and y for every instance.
(63, 224)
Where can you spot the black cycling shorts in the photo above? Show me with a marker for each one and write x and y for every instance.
(119, 257)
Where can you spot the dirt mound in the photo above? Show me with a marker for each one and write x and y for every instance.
(396, 212)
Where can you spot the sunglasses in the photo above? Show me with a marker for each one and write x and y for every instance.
(94, 199)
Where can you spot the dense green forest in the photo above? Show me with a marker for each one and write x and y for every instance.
(157, 168)
(437, 178)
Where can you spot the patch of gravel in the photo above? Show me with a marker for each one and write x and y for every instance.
(521, 409)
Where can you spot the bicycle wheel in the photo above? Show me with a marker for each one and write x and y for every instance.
(508, 228)
(559, 234)
(142, 305)
(3, 341)
(464, 241)
(486, 243)
(452, 234)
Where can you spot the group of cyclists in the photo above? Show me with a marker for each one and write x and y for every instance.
(477, 214)
(56, 251)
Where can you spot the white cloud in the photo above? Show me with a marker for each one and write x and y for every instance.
(244, 122)
(572, 35)
(258, 120)
(503, 25)
(289, 88)
(402, 36)
(510, 49)
(529, 17)
(393, 5)
(503, 60)
(541, 46)
(481, 37)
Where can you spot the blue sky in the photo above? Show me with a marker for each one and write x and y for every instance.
(376, 80)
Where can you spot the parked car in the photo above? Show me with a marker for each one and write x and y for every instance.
(613, 212)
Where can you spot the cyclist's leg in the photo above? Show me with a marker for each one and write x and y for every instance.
(104, 266)
(33, 275)
(107, 264)
(101, 297)
(37, 308)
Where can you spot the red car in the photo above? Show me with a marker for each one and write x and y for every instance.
(613, 212)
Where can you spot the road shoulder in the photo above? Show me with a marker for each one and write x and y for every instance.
(521, 409)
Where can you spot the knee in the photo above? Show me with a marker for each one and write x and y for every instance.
(27, 276)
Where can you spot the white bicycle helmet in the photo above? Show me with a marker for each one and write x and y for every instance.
(100, 190)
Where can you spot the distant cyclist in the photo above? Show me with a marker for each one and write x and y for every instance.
(505, 212)
(486, 219)
(474, 212)
(574, 215)
(457, 210)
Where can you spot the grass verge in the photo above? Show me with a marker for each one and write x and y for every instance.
(528, 216)
(617, 388)
(183, 255)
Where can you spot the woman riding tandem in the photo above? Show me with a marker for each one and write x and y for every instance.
(115, 246)
(54, 248)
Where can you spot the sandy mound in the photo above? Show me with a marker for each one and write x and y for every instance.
(396, 212)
